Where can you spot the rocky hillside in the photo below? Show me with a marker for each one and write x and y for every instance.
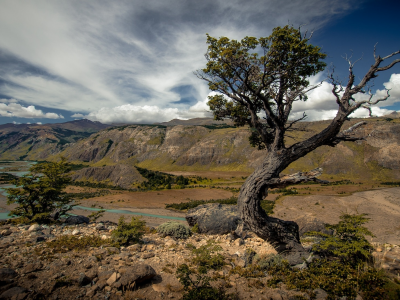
(117, 175)
(215, 147)
(200, 148)
(37, 142)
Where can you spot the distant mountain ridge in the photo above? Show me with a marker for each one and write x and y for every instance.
(38, 141)
(205, 148)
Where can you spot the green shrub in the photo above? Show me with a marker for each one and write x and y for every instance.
(348, 241)
(41, 192)
(266, 262)
(336, 278)
(195, 228)
(65, 243)
(206, 257)
(174, 229)
(128, 233)
(200, 287)
(96, 215)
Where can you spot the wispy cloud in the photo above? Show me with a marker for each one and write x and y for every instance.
(90, 57)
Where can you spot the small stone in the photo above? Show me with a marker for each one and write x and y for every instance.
(104, 237)
(148, 255)
(76, 232)
(113, 278)
(379, 249)
(239, 242)
(6, 232)
(34, 227)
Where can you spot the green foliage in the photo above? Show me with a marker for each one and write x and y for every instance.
(195, 228)
(174, 229)
(96, 215)
(40, 192)
(207, 257)
(158, 180)
(200, 287)
(218, 126)
(268, 206)
(127, 233)
(266, 262)
(345, 268)
(195, 203)
(196, 283)
(336, 278)
(348, 241)
(249, 83)
(65, 243)
(7, 177)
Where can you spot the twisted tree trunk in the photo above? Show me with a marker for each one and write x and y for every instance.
(283, 235)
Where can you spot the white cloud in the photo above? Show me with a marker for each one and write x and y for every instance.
(17, 110)
(129, 113)
(39, 123)
(77, 116)
(321, 103)
(84, 56)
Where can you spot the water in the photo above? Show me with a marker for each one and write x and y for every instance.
(4, 215)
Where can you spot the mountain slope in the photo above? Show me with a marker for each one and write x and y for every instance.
(198, 148)
(37, 142)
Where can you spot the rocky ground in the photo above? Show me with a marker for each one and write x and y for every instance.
(31, 269)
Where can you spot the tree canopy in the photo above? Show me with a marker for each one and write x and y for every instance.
(40, 192)
(258, 80)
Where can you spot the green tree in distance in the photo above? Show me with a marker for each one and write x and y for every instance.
(40, 193)
(257, 82)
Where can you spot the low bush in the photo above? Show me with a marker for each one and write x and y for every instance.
(206, 257)
(266, 262)
(65, 243)
(174, 229)
(348, 242)
(129, 233)
(196, 283)
(197, 286)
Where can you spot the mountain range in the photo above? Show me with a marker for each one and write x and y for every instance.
(204, 145)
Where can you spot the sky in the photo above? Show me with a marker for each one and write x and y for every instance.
(133, 61)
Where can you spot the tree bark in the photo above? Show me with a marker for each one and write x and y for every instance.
(283, 235)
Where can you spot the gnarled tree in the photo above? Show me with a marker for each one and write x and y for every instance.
(257, 82)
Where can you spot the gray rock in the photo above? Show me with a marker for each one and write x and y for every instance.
(34, 227)
(308, 223)
(214, 218)
(74, 220)
(16, 292)
(6, 240)
(136, 274)
(6, 273)
(83, 280)
(320, 294)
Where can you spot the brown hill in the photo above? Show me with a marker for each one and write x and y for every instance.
(204, 148)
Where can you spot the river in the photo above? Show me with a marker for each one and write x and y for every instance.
(20, 168)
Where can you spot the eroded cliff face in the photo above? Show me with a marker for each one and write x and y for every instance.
(117, 175)
(168, 148)
(203, 148)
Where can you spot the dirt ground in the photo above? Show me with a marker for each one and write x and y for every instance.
(382, 207)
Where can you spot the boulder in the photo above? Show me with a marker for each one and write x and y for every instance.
(6, 273)
(136, 274)
(16, 292)
(214, 218)
(75, 220)
(309, 223)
